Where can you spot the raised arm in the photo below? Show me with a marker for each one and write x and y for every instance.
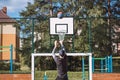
(62, 46)
(53, 51)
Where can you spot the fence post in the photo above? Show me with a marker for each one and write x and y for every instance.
(11, 58)
(101, 65)
(106, 64)
(110, 63)
(93, 64)
(83, 69)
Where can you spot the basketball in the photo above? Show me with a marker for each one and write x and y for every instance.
(60, 15)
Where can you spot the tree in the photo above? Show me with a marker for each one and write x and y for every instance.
(83, 14)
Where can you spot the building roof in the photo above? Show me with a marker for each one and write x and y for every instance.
(4, 18)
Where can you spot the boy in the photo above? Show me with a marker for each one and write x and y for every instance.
(60, 60)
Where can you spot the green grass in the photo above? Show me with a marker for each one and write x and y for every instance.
(15, 72)
(51, 74)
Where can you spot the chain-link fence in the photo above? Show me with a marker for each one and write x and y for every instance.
(32, 35)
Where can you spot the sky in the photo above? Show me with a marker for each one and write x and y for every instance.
(14, 6)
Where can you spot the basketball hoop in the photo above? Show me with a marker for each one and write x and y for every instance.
(61, 35)
(58, 25)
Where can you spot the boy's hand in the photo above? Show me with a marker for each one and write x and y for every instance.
(55, 43)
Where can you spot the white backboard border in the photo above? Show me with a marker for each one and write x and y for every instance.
(65, 23)
(64, 28)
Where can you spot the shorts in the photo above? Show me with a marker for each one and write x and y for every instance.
(63, 78)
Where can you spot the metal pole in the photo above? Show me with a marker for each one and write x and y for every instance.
(89, 34)
(111, 67)
(32, 35)
(101, 65)
(83, 69)
(32, 65)
(90, 67)
(73, 44)
(93, 64)
(11, 59)
(106, 67)
(109, 14)
(51, 9)
(108, 64)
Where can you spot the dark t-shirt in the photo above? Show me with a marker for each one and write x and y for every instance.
(61, 64)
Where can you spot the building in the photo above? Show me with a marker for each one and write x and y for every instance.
(8, 34)
(116, 39)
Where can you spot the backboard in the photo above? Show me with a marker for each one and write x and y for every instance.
(61, 25)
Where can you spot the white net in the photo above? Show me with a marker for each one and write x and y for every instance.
(61, 35)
